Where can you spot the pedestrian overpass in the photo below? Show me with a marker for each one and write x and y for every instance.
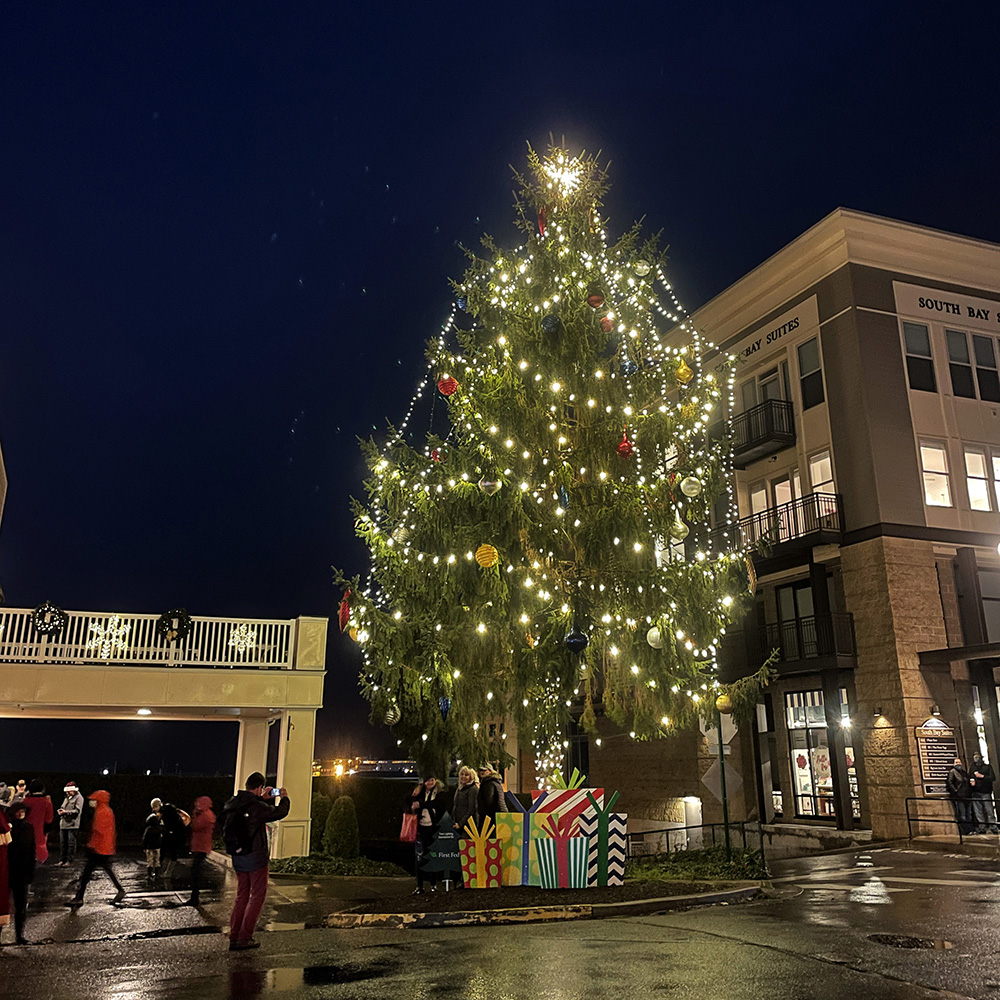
(260, 672)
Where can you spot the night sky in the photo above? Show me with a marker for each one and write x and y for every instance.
(226, 235)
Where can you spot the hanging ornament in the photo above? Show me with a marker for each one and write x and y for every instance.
(439, 454)
(447, 385)
(530, 639)
(684, 373)
(628, 367)
(489, 486)
(576, 640)
(551, 324)
(48, 619)
(542, 218)
(606, 325)
(344, 612)
(392, 715)
(641, 267)
(625, 447)
(724, 704)
(595, 299)
(487, 555)
(401, 534)
(353, 633)
(462, 302)
(679, 530)
(564, 498)
(655, 638)
(751, 575)
(445, 705)
(690, 486)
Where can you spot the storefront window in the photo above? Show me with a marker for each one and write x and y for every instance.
(809, 746)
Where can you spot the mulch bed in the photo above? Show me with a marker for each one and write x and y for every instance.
(529, 895)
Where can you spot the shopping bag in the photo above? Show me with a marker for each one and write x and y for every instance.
(408, 831)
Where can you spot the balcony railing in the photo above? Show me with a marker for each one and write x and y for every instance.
(91, 637)
(761, 431)
(814, 518)
(811, 638)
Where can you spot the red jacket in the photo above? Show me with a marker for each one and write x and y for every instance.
(202, 825)
(102, 832)
(39, 815)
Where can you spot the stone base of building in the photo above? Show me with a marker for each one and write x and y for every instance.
(792, 840)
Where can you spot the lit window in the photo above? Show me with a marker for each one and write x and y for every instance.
(934, 463)
(821, 473)
(919, 363)
(977, 479)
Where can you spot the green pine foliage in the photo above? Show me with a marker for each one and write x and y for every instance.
(321, 806)
(572, 429)
(340, 836)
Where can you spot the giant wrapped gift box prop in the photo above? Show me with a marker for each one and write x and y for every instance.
(605, 831)
(569, 798)
(481, 856)
(563, 858)
(517, 832)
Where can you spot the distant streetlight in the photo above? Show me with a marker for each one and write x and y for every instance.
(105, 771)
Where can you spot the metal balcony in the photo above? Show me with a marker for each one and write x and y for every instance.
(805, 645)
(761, 431)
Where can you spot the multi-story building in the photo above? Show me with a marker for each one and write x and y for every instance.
(866, 430)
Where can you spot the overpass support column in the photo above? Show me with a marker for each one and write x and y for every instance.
(295, 770)
(251, 752)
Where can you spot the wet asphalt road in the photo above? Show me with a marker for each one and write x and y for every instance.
(814, 940)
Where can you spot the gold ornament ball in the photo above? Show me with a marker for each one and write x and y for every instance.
(724, 704)
(487, 556)
(655, 638)
(679, 530)
(641, 267)
(690, 486)
(684, 373)
(353, 633)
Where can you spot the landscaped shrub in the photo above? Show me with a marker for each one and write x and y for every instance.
(321, 806)
(341, 839)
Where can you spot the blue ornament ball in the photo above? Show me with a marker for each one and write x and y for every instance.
(576, 640)
(462, 302)
(445, 705)
(628, 367)
(551, 323)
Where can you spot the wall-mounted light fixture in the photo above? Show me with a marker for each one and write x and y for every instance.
(935, 711)
(878, 712)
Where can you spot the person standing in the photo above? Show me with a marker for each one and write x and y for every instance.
(490, 800)
(244, 826)
(20, 866)
(465, 807)
(961, 796)
(152, 840)
(981, 778)
(70, 813)
(20, 790)
(40, 816)
(100, 846)
(174, 820)
(202, 828)
(5, 842)
(427, 801)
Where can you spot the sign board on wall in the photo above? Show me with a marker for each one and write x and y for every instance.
(790, 325)
(933, 305)
(937, 749)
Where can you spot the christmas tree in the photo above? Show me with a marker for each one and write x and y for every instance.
(550, 553)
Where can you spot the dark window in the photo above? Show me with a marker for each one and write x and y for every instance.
(986, 368)
(810, 374)
(919, 363)
(960, 365)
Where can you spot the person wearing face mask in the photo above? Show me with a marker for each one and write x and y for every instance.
(100, 847)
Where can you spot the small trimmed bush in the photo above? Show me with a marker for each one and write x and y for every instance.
(321, 806)
(341, 838)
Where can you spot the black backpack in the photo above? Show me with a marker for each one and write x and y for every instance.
(236, 831)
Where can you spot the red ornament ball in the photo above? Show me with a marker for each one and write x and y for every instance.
(606, 325)
(625, 447)
(542, 216)
(439, 455)
(595, 300)
(447, 386)
(344, 611)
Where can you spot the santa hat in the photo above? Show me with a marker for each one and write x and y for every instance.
(70, 786)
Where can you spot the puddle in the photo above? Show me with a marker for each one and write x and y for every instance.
(904, 941)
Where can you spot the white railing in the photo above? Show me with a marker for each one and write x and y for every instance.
(93, 637)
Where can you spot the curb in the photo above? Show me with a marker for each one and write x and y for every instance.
(536, 914)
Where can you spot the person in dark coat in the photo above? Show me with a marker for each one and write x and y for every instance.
(20, 866)
(152, 840)
(175, 821)
(961, 795)
(491, 798)
(981, 778)
(465, 806)
(428, 802)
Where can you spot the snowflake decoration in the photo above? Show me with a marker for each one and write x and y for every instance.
(110, 638)
(242, 638)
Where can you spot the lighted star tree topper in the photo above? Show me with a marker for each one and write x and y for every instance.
(551, 555)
